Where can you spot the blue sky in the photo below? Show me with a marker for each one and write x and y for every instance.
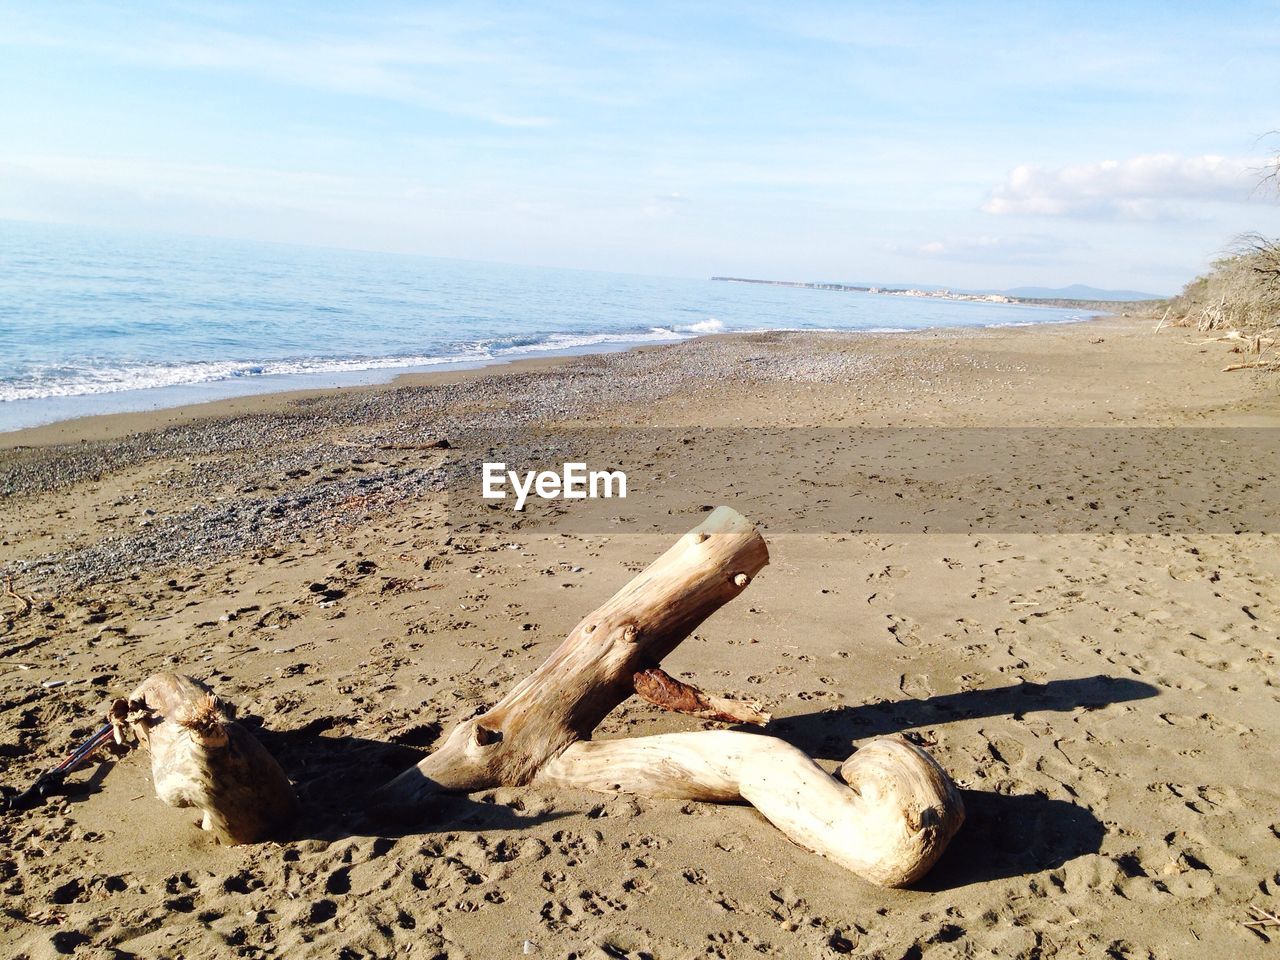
(976, 145)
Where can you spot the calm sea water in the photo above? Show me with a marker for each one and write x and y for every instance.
(97, 322)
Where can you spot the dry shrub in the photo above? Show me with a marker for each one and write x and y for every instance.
(1241, 292)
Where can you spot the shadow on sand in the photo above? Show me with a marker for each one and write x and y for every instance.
(1003, 836)
(827, 733)
(1011, 836)
(336, 777)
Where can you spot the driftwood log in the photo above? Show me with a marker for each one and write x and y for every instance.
(888, 821)
(201, 757)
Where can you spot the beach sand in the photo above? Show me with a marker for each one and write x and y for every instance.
(1107, 695)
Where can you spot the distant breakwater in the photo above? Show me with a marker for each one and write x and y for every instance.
(1099, 306)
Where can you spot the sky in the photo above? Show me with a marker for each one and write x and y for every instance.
(977, 145)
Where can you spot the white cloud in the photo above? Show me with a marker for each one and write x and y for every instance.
(1029, 249)
(1152, 187)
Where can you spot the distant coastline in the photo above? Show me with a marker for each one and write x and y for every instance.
(1101, 306)
(158, 322)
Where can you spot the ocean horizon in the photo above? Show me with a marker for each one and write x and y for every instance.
(98, 321)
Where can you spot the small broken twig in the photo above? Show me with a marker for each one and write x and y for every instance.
(27, 602)
(1261, 918)
(663, 690)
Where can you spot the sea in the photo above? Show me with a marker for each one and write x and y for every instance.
(100, 321)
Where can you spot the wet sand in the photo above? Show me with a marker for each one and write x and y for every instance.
(1107, 700)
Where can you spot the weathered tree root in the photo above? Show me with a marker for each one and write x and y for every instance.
(889, 822)
(201, 757)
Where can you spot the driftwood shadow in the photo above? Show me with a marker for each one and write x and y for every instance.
(828, 733)
(78, 788)
(1003, 836)
(1011, 836)
(336, 776)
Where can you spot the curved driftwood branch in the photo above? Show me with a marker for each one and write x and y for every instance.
(888, 822)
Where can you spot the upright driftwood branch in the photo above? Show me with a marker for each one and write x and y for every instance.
(592, 672)
(888, 821)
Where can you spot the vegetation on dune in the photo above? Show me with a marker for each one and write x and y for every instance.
(1240, 292)
(1239, 298)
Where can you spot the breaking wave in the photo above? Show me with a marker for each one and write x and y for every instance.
(89, 377)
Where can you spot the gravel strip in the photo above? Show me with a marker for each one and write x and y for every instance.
(271, 478)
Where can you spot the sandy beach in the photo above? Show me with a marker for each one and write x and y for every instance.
(1103, 690)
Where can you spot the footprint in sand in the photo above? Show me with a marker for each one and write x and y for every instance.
(887, 573)
(915, 685)
(903, 630)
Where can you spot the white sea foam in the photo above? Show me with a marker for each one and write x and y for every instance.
(1074, 318)
(119, 377)
(566, 341)
(710, 325)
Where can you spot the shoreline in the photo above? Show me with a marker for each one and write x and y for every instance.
(931, 293)
(113, 424)
(276, 384)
